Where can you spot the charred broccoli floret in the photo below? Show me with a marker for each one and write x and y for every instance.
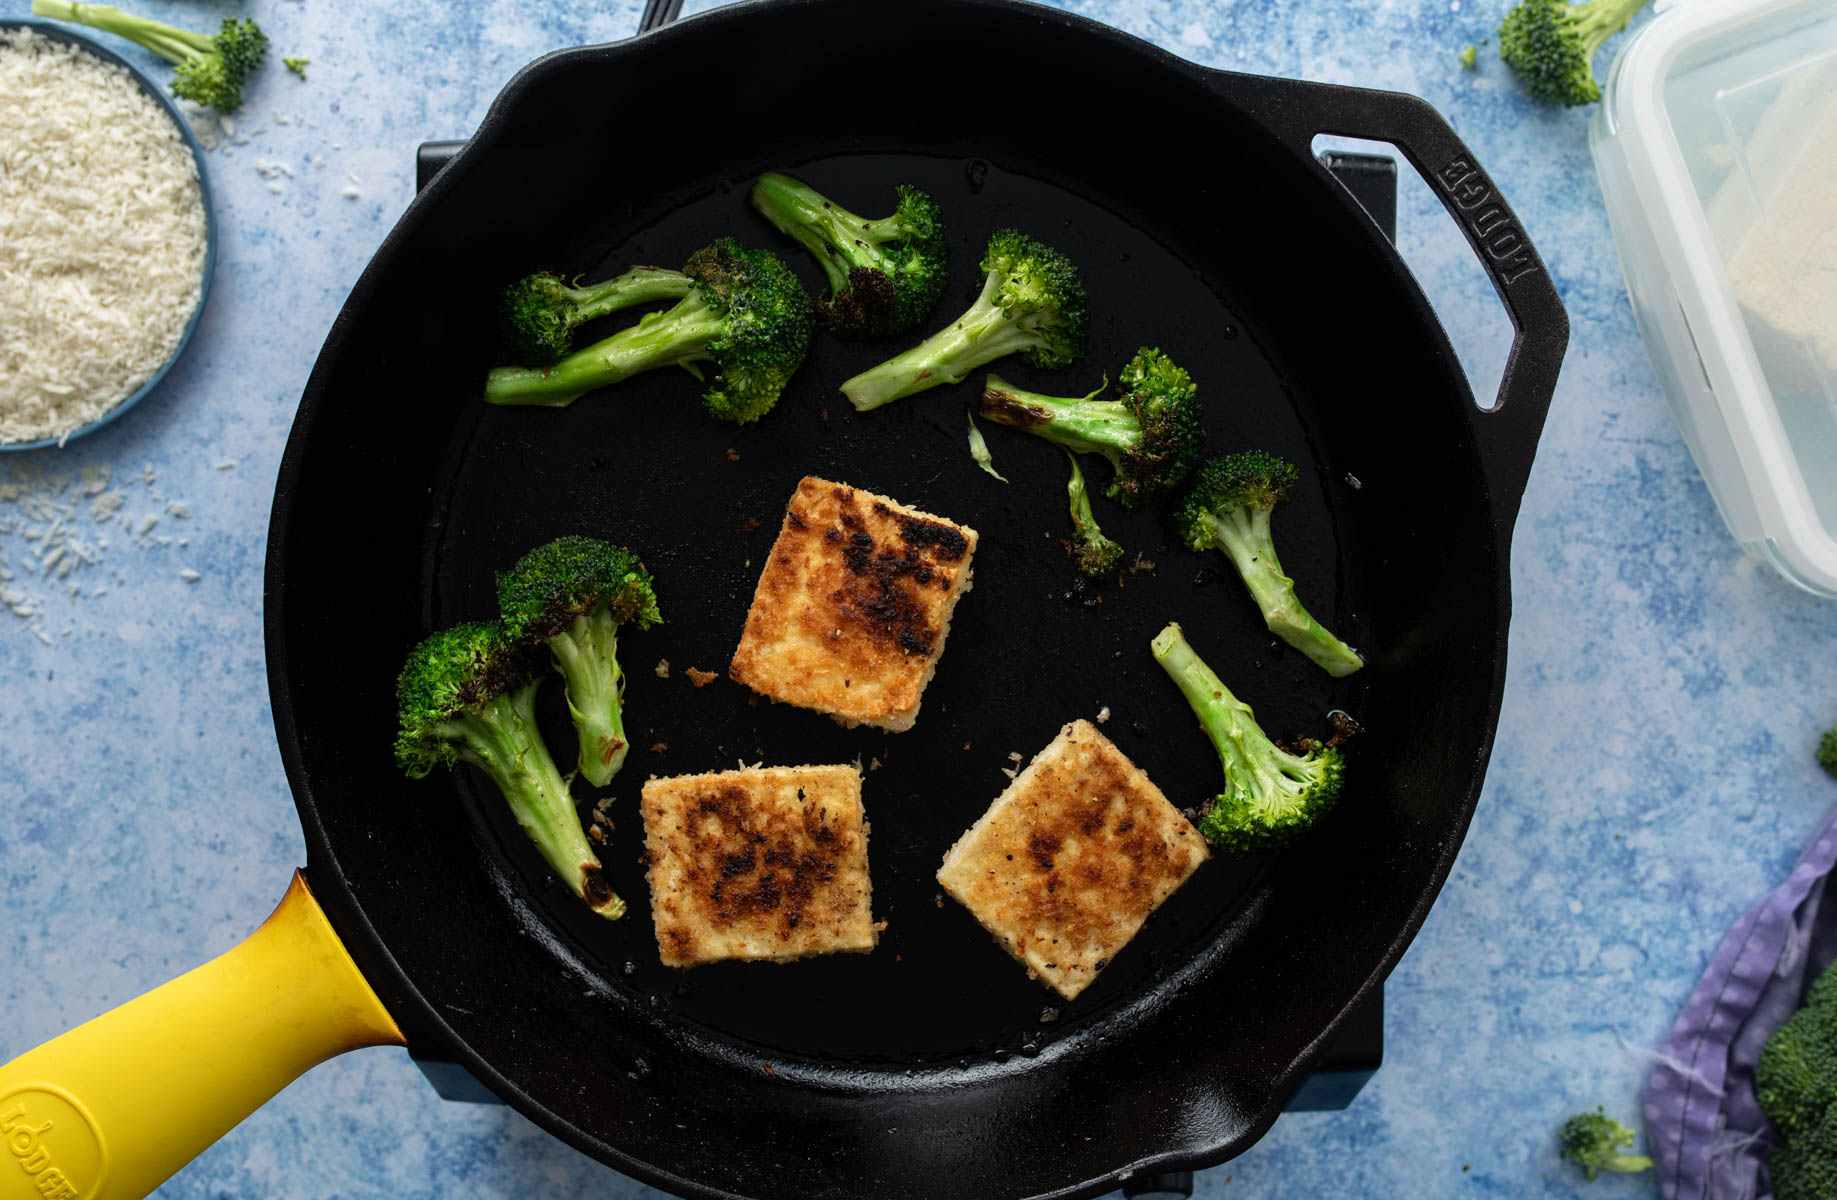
(1551, 45)
(1150, 433)
(468, 694)
(571, 596)
(745, 314)
(1827, 751)
(1228, 509)
(539, 312)
(211, 69)
(1031, 303)
(1270, 794)
(1095, 554)
(884, 275)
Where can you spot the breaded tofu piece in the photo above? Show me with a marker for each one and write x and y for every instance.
(853, 606)
(764, 863)
(1072, 858)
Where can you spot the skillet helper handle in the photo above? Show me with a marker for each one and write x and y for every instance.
(111, 1109)
(1509, 430)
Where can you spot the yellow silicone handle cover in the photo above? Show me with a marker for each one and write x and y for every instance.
(111, 1109)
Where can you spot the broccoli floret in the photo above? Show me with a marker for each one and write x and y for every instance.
(1795, 1078)
(884, 275)
(1270, 794)
(572, 595)
(1827, 750)
(1094, 554)
(1031, 303)
(1228, 508)
(468, 694)
(1470, 57)
(1806, 1167)
(211, 70)
(1551, 44)
(745, 313)
(1594, 1141)
(1150, 432)
(540, 312)
(297, 65)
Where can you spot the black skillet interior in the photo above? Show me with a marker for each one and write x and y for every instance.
(932, 1067)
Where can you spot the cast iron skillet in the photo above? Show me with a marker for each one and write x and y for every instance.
(934, 1067)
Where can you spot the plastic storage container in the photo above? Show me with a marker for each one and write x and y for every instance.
(1716, 144)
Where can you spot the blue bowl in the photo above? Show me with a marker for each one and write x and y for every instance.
(63, 33)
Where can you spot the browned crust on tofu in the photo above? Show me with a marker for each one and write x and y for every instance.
(1072, 858)
(765, 863)
(853, 606)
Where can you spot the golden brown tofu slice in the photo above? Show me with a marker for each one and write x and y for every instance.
(1072, 858)
(853, 606)
(765, 863)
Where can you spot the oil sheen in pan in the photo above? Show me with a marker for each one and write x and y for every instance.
(1028, 651)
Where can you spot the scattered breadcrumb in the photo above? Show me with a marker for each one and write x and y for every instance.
(1103, 714)
(226, 464)
(732, 455)
(873, 764)
(750, 524)
(1141, 565)
(699, 677)
(659, 747)
(1353, 481)
(966, 747)
(178, 510)
(1014, 756)
(663, 668)
(189, 575)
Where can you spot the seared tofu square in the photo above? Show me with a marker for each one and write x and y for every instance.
(765, 863)
(1072, 858)
(853, 606)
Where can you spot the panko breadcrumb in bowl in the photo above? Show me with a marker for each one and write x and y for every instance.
(107, 242)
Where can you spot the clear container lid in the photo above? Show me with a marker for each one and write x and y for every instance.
(1716, 144)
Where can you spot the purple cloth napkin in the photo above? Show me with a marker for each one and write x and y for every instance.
(1704, 1126)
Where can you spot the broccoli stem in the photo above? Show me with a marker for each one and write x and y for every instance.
(678, 337)
(1082, 424)
(981, 335)
(1246, 537)
(170, 43)
(500, 737)
(1599, 20)
(587, 655)
(829, 232)
(1228, 721)
(640, 285)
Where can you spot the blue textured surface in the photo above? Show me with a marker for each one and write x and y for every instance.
(1652, 774)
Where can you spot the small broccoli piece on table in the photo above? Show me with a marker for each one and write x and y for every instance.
(884, 275)
(1470, 57)
(572, 595)
(1228, 508)
(743, 312)
(1094, 554)
(468, 694)
(1594, 1141)
(1270, 794)
(1827, 751)
(540, 312)
(1150, 433)
(1031, 303)
(297, 65)
(1551, 45)
(211, 70)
